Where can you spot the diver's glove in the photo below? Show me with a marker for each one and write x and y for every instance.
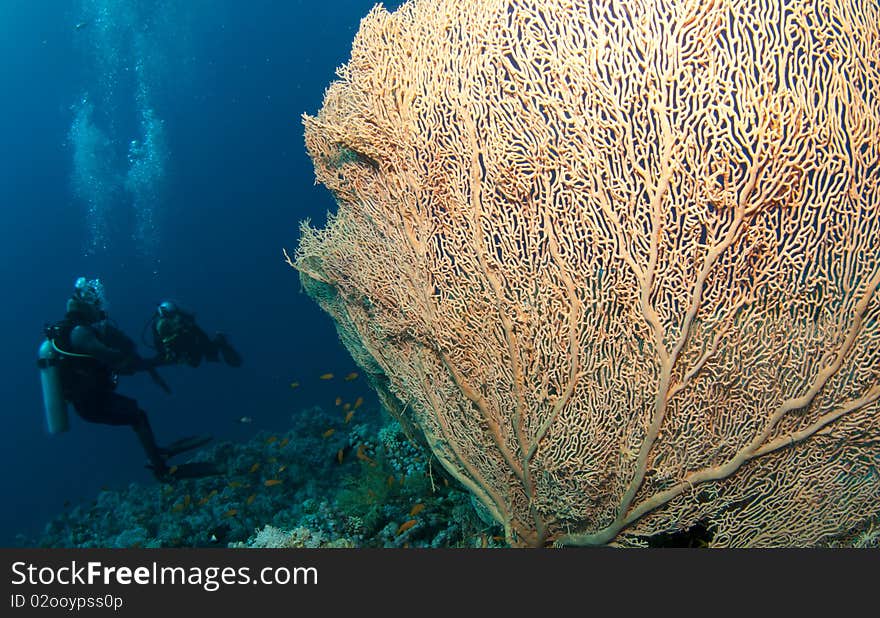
(129, 365)
(132, 364)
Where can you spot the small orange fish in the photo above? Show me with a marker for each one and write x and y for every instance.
(204, 501)
(416, 509)
(281, 469)
(339, 455)
(177, 508)
(271, 439)
(445, 483)
(294, 384)
(272, 482)
(347, 407)
(250, 499)
(213, 493)
(172, 469)
(329, 432)
(348, 416)
(497, 538)
(363, 456)
(230, 513)
(233, 484)
(186, 500)
(406, 525)
(325, 376)
(255, 467)
(168, 489)
(352, 376)
(283, 442)
(391, 481)
(338, 401)
(272, 459)
(358, 402)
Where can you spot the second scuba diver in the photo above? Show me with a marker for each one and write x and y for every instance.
(178, 339)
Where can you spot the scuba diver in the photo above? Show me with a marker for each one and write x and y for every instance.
(80, 361)
(178, 339)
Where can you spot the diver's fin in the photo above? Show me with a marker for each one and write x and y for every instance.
(183, 445)
(193, 470)
(230, 355)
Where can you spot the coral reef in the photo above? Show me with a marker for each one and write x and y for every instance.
(359, 486)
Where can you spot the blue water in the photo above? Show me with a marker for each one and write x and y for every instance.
(160, 148)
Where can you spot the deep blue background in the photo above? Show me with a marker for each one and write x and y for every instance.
(239, 181)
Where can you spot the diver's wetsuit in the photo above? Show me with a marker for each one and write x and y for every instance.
(95, 401)
(89, 381)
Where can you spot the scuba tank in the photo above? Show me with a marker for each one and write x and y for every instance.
(54, 405)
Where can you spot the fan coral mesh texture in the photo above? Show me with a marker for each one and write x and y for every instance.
(617, 261)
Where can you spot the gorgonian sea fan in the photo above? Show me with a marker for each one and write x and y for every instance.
(617, 262)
